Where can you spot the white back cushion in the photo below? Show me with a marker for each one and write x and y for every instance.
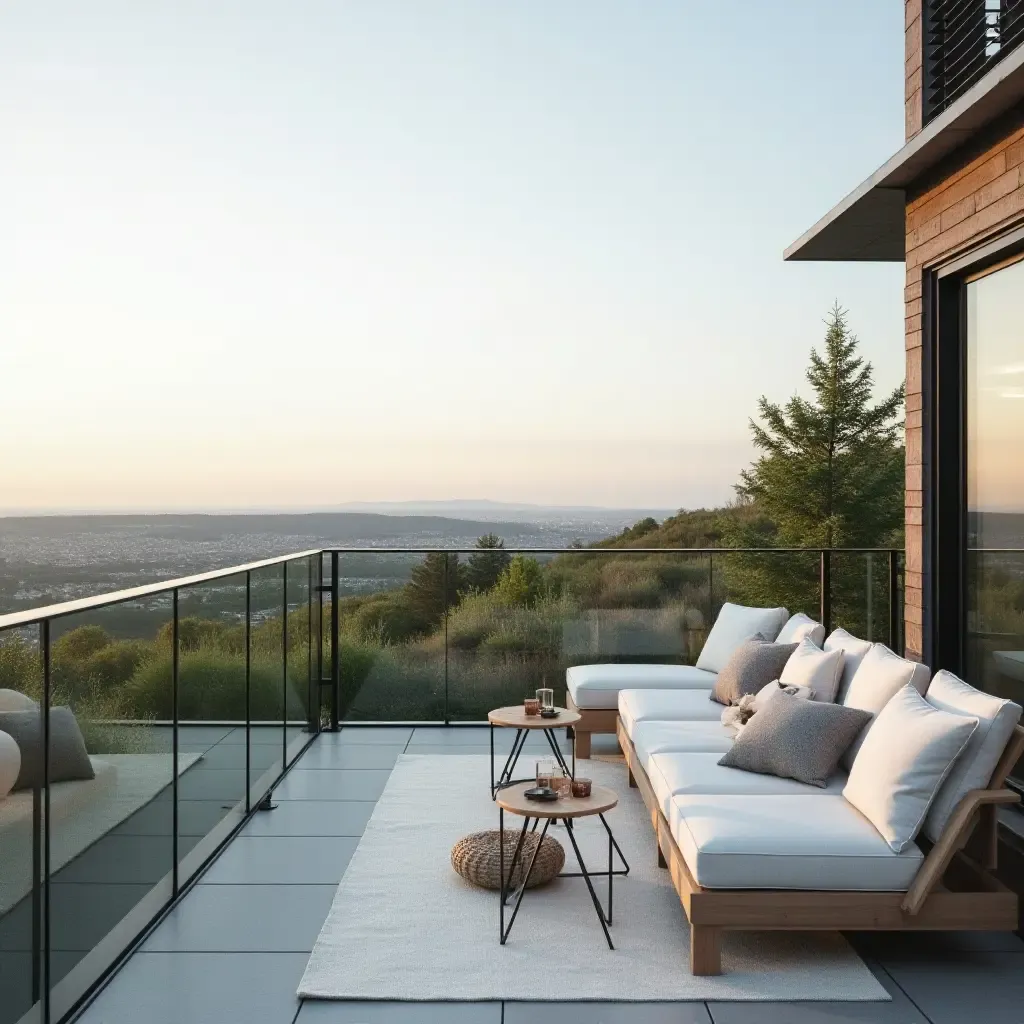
(853, 649)
(736, 623)
(908, 751)
(880, 675)
(814, 668)
(12, 700)
(10, 764)
(799, 626)
(996, 721)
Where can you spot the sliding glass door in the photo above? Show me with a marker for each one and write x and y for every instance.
(993, 322)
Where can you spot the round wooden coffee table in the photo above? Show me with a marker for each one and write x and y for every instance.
(568, 809)
(516, 718)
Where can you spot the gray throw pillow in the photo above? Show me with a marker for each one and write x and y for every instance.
(753, 665)
(796, 739)
(69, 760)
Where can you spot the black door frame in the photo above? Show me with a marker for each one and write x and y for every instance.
(944, 378)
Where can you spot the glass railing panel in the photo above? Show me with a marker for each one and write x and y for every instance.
(267, 678)
(300, 708)
(211, 711)
(20, 832)
(861, 595)
(391, 618)
(110, 806)
(767, 579)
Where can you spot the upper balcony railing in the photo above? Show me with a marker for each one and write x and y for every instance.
(962, 40)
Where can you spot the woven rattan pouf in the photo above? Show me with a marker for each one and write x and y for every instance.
(476, 858)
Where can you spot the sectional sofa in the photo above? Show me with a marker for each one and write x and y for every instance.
(749, 850)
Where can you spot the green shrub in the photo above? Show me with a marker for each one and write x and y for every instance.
(76, 645)
(116, 663)
(20, 667)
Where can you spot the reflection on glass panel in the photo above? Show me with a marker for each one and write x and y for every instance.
(995, 482)
(267, 672)
(20, 672)
(211, 705)
(111, 771)
(301, 665)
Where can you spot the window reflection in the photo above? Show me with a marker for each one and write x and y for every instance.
(995, 482)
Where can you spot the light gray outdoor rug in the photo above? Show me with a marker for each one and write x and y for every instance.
(405, 926)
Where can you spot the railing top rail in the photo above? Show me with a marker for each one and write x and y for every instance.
(614, 551)
(33, 616)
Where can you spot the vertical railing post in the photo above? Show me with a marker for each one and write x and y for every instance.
(825, 586)
(284, 665)
(447, 719)
(47, 942)
(711, 589)
(894, 603)
(37, 860)
(248, 691)
(335, 644)
(870, 596)
(174, 744)
(312, 588)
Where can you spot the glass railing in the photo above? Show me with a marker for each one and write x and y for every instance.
(445, 636)
(151, 722)
(148, 724)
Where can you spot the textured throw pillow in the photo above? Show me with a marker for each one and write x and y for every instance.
(736, 623)
(800, 626)
(12, 700)
(973, 769)
(907, 753)
(753, 664)
(774, 688)
(69, 759)
(814, 668)
(796, 739)
(880, 675)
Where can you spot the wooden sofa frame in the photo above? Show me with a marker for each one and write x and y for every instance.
(954, 888)
(603, 720)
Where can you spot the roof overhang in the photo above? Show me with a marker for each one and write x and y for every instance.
(870, 223)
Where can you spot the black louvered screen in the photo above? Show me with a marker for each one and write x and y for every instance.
(962, 40)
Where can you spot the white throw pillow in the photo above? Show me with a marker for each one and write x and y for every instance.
(10, 763)
(853, 649)
(774, 688)
(909, 750)
(814, 668)
(880, 675)
(12, 700)
(736, 623)
(800, 626)
(996, 721)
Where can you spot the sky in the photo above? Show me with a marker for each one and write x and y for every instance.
(262, 254)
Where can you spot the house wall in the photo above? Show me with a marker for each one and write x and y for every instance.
(977, 195)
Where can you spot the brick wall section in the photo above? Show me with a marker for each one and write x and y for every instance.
(979, 200)
(913, 67)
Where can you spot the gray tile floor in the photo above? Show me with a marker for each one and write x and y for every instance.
(235, 948)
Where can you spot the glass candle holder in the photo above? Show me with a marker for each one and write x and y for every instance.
(561, 783)
(581, 787)
(531, 706)
(546, 696)
(546, 769)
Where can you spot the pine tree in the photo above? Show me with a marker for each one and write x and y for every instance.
(484, 568)
(830, 475)
(433, 586)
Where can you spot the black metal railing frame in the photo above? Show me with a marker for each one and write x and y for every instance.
(49, 1006)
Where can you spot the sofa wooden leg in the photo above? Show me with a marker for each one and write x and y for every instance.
(632, 781)
(705, 950)
(662, 863)
(582, 745)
